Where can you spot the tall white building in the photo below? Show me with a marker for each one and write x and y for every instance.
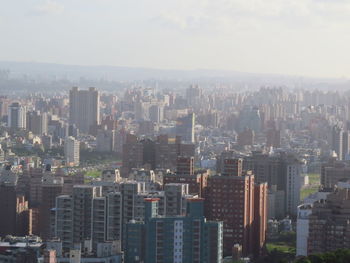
(337, 141)
(293, 188)
(84, 108)
(303, 228)
(72, 151)
(16, 116)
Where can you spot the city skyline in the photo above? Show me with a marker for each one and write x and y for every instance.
(188, 131)
(90, 170)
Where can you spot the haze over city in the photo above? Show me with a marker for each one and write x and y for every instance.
(305, 38)
(186, 131)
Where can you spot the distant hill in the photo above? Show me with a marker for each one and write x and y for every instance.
(75, 73)
(115, 73)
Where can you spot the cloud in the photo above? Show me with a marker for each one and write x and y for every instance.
(184, 22)
(48, 7)
(224, 15)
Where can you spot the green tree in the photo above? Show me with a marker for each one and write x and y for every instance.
(337, 256)
(304, 260)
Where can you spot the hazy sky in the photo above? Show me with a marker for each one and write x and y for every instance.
(306, 37)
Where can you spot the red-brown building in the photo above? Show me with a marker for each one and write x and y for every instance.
(196, 183)
(232, 167)
(51, 188)
(35, 177)
(44, 186)
(260, 216)
(185, 165)
(16, 216)
(161, 153)
(234, 198)
(132, 154)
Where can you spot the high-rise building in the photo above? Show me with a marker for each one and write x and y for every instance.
(75, 216)
(98, 220)
(132, 154)
(266, 168)
(293, 185)
(193, 94)
(162, 153)
(325, 224)
(51, 187)
(250, 118)
(156, 113)
(16, 216)
(176, 239)
(146, 128)
(37, 122)
(72, 151)
(273, 138)
(35, 183)
(130, 207)
(16, 116)
(337, 141)
(2, 154)
(281, 170)
(110, 122)
(304, 211)
(60, 129)
(73, 130)
(47, 141)
(114, 216)
(234, 198)
(105, 140)
(83, 196)
(4, 103)
(334, 171)
(246, 137)
(167, 151)
(172, 201)
(260, 217)
(64, 220)
(220, 160)
(84, 108)
(185, 165)
(303, 220)
(232, 167)
(175, 199)
(185, 127)
(197, 182)
(276, 203)
(346, 145)
(141, 109)
(89, 215)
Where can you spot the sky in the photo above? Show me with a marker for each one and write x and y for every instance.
(293, 37)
